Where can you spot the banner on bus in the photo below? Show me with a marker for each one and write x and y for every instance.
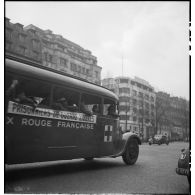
(21, 109)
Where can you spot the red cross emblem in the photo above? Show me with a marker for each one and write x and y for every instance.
(108, 133)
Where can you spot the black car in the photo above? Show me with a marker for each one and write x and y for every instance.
(183, 164)
(158, 139)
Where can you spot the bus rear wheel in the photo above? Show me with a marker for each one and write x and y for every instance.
(131, 152)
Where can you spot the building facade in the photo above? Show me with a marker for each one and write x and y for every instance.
(21, 43)
(136, 104)
(172, 116)
(51, 50)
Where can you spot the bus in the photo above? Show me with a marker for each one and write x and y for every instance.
(52, 116)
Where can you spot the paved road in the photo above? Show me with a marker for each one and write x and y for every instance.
(154, 172)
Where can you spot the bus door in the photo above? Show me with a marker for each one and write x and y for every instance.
(109, 125)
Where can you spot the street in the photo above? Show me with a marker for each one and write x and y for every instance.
(154, 172)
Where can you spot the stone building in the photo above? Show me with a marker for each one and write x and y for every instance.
(136, 104)
(51, 50)
(22, 43)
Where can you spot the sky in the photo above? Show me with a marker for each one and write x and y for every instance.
(149, 40)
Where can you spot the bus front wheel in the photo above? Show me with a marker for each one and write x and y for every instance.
(131, 152)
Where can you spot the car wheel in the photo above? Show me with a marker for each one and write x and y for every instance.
(150, 143)
(131, 152)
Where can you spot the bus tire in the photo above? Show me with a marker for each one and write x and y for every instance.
(131, 152)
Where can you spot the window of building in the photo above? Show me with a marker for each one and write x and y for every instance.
(134, 110)
(22, 37)
(63, 62)
(141, 103)
(134, 102)
(140, 94)
(124, 99)
(132, 83)
(124, 108)
(146, 96)
(140, 120)
(141, 111)
(8, 45)
(50, 58)
(73, 66)
(152, 98)
(146, 105)
(22, 50)
(35, 43)
(124, 90)
(96, 74)
(124, 117)
(87, 71)
(152, 106)
(8, 33)
(134, 93)
(124, 80)
(134, 118)
(35, 55)
(139, 85)
(83, 70)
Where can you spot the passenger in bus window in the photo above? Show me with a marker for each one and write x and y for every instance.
(23, 99)
(112, 110)
(61, 104)
(84, 108)
(11, 91)
(95, 109)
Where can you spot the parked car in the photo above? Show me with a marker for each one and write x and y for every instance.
(183, 167)
(158, 139)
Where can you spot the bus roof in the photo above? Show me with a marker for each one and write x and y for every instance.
(34, 70)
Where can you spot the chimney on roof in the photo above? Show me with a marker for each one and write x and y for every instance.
(48, 31)
(20, 26)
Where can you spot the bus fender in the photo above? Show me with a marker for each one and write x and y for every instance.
(129, 135)
(126, 138)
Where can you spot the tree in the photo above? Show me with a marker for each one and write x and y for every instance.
(185, 115)
(162, 108)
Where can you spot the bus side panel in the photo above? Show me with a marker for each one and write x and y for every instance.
(33, 139)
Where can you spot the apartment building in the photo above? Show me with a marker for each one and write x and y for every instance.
(136, 104)
(21, 43)
(51, 50)
(172, 116)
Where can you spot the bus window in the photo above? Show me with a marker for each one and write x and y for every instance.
(65, 99)
(90, 104)
(110, 108)
(11, 85)
(31, 92)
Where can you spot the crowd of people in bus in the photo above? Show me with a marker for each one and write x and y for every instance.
(16, 92)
